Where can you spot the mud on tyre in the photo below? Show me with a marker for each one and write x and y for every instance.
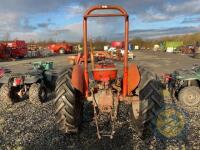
(68, 104)
(5, 94)
(189, 98)
(151, 100)
(37, 93)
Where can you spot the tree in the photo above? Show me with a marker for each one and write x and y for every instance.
(6, 36)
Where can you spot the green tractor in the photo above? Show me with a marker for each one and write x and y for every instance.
(184, 86)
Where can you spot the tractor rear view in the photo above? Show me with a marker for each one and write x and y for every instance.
(102, 84)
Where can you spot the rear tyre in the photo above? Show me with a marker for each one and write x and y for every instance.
(189, 97)
(37, 94)
(5, 94)
(68, 104)
(151, 100)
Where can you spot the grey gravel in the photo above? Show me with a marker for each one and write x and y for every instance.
(23, 126)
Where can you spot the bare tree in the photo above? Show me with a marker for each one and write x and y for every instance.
(6, 36)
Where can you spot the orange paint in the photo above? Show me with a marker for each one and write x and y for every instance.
(133, 77)
(104, 73)
(78, 78)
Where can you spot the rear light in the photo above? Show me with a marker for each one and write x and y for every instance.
(17, 81)
(167, 77)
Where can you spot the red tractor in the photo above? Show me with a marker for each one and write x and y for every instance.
(106, 86)
(17, 49)
(61, 48)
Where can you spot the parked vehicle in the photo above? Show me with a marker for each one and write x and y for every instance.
(118, 44)
(17, 86)
(189, 49)
(17, 49)
(184, 86)
(106, 88)
(33, 47)
(60, 48)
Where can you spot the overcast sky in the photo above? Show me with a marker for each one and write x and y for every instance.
(62, 19)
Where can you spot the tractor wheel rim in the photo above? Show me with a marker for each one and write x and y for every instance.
(192, 100)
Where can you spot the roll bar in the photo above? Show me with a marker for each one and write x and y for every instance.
(122, 13)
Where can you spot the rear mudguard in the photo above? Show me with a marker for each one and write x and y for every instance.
(133, 77)
(78, 78)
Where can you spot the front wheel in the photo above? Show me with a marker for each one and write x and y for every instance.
(37, 93)
(5, 94)
(189, 97)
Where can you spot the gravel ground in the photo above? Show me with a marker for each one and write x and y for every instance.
(26, 127)
(23, 126)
